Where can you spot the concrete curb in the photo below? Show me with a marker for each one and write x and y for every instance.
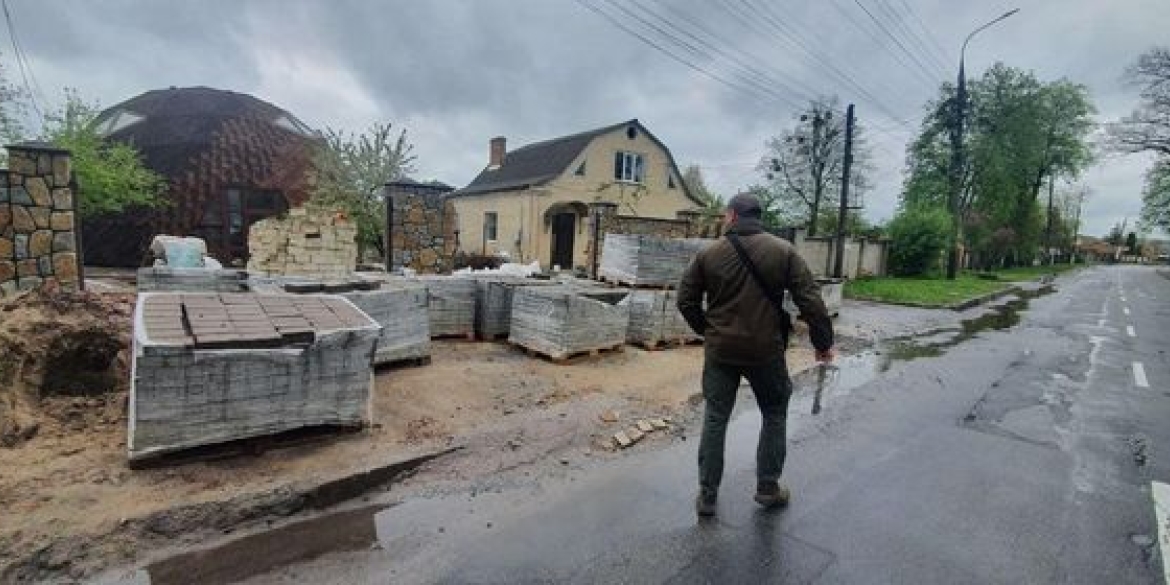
(183, 525)
(959, 306)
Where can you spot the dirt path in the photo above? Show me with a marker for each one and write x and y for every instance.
(69, 505)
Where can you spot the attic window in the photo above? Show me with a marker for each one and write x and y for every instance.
(581, 170)
(632, 132)
(119, 120)
(294, 125)
(670, 181)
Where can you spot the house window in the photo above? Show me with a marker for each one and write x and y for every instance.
(628, 167)
(490, 223)
(669, 180)
(581, 170)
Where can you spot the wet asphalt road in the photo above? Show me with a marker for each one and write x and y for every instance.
(1021, 455)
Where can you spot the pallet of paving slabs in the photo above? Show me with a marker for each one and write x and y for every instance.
(163, 279)
(493, 303)
(655, 319)
(213, 368)
(450, 305)
(401, 308)
(558, 322)
(646, 261)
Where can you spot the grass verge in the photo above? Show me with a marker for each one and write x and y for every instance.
(927, 292)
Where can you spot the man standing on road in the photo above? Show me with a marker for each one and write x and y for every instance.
(743, 277)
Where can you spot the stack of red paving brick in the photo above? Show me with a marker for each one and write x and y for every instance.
(210, 368)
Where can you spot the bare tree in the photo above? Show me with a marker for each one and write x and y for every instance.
(1147, 129)
(803, 165)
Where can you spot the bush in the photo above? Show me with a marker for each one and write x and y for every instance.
(919, 237)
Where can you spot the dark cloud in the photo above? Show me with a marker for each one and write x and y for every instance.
(454, 73)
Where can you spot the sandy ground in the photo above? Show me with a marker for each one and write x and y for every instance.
(69, 504)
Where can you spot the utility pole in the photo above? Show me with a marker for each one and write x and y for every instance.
(1048, 226)
(838, 264)
(956, 171)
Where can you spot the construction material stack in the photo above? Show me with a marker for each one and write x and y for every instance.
(211, 368)
(646, 261)
(560, 322)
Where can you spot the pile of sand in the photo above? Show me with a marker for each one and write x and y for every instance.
(58, 344)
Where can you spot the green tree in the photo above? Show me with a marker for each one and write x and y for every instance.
(803, 165)
(350, 170)
(918, 237)
(1021, 133)
(1131, 243)
(693, 178)
(110, 175)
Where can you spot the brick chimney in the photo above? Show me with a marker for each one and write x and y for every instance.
(498, 147)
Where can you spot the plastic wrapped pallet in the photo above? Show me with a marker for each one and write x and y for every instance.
(450, 305)
(210, 368)
(655, 319)
(559, 322)
(166, 278)
(638, 260)
(493, 302)
(400, 307)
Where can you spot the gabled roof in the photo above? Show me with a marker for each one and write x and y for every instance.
(540, 162)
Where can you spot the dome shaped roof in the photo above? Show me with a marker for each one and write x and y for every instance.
(170, 126)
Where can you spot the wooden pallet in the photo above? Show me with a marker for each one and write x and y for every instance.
(572, 357)
(403, 363)
(492, 337)
(660, 344)
(643, 286)
(469, 336)
(249, 446)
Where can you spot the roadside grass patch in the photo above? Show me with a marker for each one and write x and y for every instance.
(927, 292)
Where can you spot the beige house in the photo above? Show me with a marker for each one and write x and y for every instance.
(533, 203)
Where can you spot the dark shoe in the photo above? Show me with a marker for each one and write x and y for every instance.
(705, 502)
(771, 494)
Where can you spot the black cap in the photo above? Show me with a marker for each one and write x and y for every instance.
(746, 205)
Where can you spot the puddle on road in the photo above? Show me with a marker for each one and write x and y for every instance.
(853, 371)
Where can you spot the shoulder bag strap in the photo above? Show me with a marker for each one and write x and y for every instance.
(777, 302)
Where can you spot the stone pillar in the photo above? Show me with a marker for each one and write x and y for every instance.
(38, 224)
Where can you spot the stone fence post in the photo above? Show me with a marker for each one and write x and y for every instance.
(38, 223)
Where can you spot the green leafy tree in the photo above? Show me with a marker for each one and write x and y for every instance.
(350, 170)
(1131, 243)
(1022, 132)
(918, 237)
(110, 175)
(693, 178)
(803, 165)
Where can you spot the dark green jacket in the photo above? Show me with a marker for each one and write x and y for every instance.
(739, 325)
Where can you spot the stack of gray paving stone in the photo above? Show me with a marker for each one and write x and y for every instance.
(493, 302)
(164, 278)
(639, 260)
(450, 305)
(655, 319)
(401, 308)
(559, 322)
(269, 363)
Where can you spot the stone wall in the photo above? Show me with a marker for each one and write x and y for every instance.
(422, 229)
(38, 234)
(310, 241)
(863, 257)
(690, 224)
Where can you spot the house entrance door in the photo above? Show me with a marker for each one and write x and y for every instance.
(564, 226)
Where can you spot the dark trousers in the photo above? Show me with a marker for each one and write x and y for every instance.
(772, 388)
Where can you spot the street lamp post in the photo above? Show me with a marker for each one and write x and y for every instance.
(960, 110)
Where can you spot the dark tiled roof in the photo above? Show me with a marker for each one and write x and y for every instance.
(535, 163)
(541, 162)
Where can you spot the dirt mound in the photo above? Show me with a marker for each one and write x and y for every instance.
(58, 345)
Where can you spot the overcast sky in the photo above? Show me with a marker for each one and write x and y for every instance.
(455, 73)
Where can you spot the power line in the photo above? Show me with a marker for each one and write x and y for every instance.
(618, 23)
(21, 61)
(929, 34)
(899, 23)
(896, 40)
(929, 80)
(795, 37)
